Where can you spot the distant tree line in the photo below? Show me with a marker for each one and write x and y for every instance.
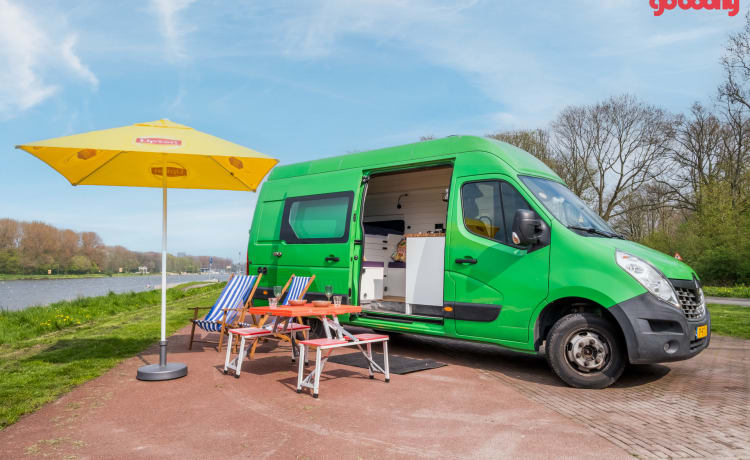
(36, 247)
(679, 183)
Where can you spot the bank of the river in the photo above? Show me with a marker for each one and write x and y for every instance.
(45, 351)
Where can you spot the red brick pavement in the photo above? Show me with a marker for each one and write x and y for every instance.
(694, 408)
(487, 403)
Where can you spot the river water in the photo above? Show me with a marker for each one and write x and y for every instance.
(20, 294)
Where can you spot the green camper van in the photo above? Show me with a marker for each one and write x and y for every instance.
(470, 238)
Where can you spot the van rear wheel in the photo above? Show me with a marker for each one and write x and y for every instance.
(585, 351)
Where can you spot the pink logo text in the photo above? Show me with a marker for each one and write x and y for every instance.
(733, 6)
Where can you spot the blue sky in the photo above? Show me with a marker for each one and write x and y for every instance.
(309, 79)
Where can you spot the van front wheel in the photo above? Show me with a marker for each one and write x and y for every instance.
(585, 351)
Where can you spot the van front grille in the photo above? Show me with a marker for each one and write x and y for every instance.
(691, 302)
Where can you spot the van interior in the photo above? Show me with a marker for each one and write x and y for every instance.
(404, 221)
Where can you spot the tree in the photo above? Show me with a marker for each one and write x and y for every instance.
(69, 247)
(93, 248)
(39, 247)
(736, 64)
(81, 264)
(534, 141)
(9, 234)
(609, 150)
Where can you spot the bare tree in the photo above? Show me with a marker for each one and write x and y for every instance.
(609, 150)
(694, 155)
(9, 234)
(736, 63)
(534, 141)
(734, 157)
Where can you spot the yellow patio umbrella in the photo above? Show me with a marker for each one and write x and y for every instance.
(138, 156)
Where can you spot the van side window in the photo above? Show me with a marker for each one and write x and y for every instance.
(512, 201)
(482, 209)
(317, 218)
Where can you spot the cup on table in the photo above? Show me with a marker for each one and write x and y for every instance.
(273, 302)
(337, 300)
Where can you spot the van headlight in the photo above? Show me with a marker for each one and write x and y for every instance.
(651, 278)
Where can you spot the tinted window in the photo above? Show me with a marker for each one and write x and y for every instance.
(317, 218)
(512, 201)
(482, 209)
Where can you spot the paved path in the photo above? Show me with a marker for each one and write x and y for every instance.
(487, 403)
(728, 301)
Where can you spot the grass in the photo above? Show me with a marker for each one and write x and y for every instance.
(46, 351)
(739, 290)
(730, 320)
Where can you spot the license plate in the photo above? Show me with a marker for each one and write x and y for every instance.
(701, 331)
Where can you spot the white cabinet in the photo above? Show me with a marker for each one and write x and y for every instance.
(372, 284)
(395, 282)
(425, 258)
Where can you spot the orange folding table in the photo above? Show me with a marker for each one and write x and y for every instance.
(336, 336)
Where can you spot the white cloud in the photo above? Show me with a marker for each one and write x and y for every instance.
(448, 34)
(531, 60)
(171, 27)
(27, 55)
(74, 62)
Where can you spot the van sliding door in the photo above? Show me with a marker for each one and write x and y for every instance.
(317, 231)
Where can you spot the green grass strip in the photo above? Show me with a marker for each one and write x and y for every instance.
(730, 320)
(46, 351)
(739, 290)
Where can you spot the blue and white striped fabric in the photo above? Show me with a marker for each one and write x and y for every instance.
(234, 295)
(295, 288)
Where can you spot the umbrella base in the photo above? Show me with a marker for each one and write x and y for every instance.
(155, 372)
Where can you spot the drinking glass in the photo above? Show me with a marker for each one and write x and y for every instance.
(337, 300)
(277, 292)
(329, 292)
(273, 302)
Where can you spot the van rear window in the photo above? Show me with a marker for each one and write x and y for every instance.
(317, 218)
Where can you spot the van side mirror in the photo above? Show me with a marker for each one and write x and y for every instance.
(528, 228)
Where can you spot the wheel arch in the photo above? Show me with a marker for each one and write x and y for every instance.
(558, 308)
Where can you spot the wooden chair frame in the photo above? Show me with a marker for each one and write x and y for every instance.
(263, 319)
(224, 326)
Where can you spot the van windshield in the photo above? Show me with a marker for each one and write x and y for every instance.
(570, 210)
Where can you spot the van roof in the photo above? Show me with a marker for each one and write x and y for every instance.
(519, 160)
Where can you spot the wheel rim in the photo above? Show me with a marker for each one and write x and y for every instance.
(587, 351)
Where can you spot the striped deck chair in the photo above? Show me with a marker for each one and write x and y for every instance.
(228, 310)
(295, 289)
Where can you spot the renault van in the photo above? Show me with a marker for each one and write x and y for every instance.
(474, 239)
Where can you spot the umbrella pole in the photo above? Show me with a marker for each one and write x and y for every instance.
(163, 342)
(163, 371)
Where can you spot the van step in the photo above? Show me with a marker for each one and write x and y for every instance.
(399, 318)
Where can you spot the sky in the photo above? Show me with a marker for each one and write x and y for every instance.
(300, 80)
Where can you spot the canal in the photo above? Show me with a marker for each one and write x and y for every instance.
(20, 294)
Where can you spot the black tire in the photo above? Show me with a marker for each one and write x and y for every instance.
(581, 329)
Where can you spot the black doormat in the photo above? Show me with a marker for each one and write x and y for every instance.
(398, 364)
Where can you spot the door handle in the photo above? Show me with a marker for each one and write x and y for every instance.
(332, 259)
(277, 254)
(467, 260)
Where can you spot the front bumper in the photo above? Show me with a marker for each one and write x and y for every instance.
(656, 332)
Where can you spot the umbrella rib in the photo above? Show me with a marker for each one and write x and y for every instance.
(97, 168)
(232, 174)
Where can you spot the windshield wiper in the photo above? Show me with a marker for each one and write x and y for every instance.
(595, 231)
